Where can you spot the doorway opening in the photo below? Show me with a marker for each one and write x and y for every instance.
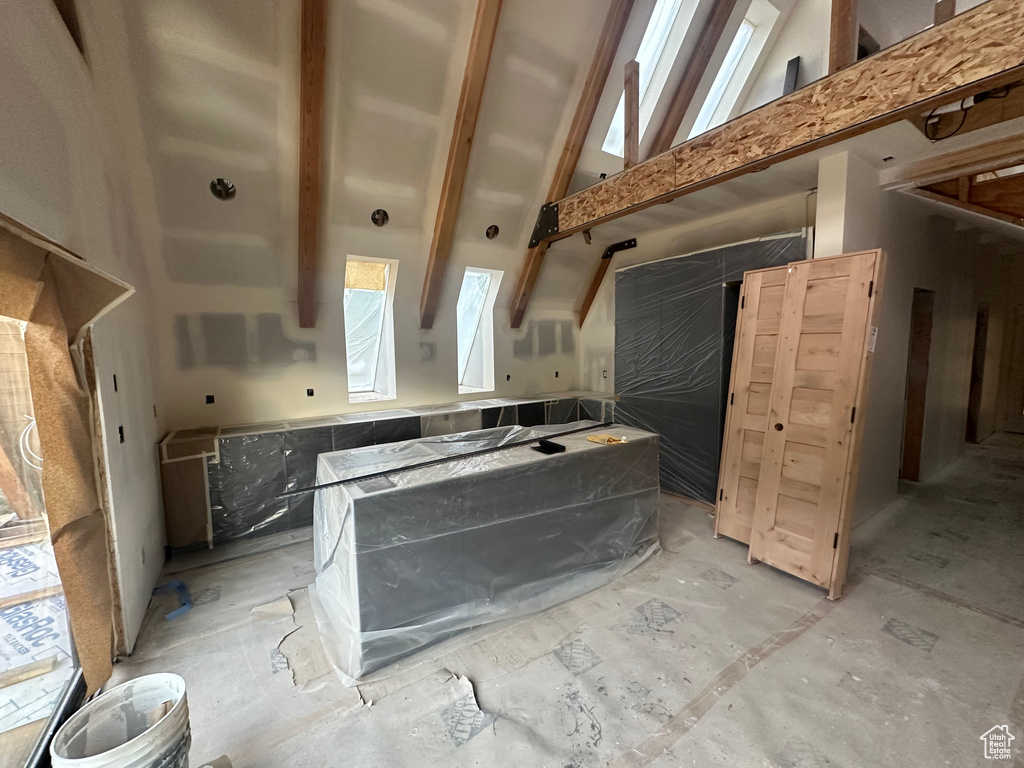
(917, 382)
(974, 431)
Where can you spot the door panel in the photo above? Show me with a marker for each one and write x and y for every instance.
(801, 518)
(747, 414)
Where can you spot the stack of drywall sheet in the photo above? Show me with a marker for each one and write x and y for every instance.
(406, 558)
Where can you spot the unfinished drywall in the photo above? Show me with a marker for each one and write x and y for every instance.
(597, 337)
(63, 178)
(802, 31)
(926, 250)
(224, 273)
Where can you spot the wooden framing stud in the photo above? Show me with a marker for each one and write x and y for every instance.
(842, 49)
(696, 66)
(597, 77)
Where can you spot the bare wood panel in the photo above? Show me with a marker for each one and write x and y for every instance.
(803, 491)
(184, 486)
(747, 413)
(485, 26)
(600, 66)
(981, 48)
(696, 66)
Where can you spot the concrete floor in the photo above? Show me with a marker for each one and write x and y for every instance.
(695, 658)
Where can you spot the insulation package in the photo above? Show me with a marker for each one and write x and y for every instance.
(405, 559)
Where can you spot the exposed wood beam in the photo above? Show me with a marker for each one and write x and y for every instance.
(311, 123)
(1002, 105)
(980, 49)
(696, 66)
(14, 491)
(485, 27)
(631, 129)
(929, 195)
(944, 10)
(842, 48)
(963, 162)
(602, 269)
(600, 66)
(595, 286)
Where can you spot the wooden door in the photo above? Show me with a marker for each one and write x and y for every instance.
(977, 377)
(750, 383)
(917, 382)
(808, 471)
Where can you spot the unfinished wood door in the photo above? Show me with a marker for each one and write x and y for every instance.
(917, 382)
(808, 468)
(750, 383)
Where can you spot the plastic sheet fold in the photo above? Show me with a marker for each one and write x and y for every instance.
(675, 321)
(405, 559)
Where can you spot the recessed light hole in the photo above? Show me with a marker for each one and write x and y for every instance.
(380, 217)
(223, 189)
(492, 232)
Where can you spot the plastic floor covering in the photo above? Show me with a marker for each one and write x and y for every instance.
(694, 658)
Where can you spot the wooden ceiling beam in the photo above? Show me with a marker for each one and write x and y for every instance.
(481, 44)
(597, 77)
(980, 49)
(966, 206)
(696, 66)
(311, 122)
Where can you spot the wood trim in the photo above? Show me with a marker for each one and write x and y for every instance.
(311, 124)
(696, 66)
(478, 61)
(843, 29)
(980, 49)
(631, 114)
(597, 77)
(936, 197)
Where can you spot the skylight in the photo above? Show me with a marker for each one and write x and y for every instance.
(722, 80)
(658, 50)
(369, 329)
(475, 326)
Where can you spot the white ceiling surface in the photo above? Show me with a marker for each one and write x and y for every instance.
(217, 88)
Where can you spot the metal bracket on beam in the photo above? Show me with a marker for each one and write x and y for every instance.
(547, 224)
(625, 245)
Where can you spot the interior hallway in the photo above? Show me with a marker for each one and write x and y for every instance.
(695, 658)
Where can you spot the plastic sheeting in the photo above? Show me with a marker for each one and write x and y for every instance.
(252, 470)
(407, 559)
(674, 325)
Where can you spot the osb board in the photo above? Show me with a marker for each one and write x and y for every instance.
(977, 46)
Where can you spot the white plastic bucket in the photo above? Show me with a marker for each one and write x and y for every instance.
(140, 724)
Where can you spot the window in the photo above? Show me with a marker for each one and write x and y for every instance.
(475, 319)
(370, 329)
(734, 74)
(656, 55)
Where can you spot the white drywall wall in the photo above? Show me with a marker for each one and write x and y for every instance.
(62, 177)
